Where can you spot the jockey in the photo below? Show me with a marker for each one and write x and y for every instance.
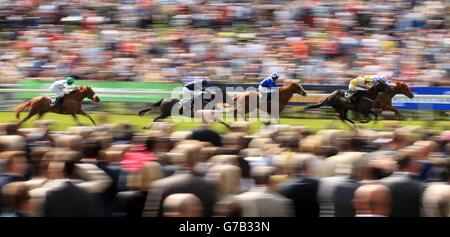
(194, 89)
(360, 84)
(268, 85)
(61, 88)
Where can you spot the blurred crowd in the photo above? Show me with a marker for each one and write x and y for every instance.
(279, 171)
(326, 42)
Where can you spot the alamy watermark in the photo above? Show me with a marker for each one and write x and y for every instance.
(232, 104)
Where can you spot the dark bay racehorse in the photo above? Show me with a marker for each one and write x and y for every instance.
(167, 106)
(364, 102)
(71, 105)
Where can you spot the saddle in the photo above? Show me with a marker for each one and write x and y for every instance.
(57, 102)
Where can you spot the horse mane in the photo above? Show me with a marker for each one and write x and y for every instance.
(291, 83)
(296, 81)
(79, 89)
(376, 85)
(400, 83)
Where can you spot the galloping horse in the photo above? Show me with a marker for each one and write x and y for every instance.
(167, 106)
(363, 105)
(242, 105)
(71, 105)
(384, 101)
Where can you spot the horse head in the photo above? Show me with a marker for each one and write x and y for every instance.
(89, 93)
(402, 88)
(297, 87)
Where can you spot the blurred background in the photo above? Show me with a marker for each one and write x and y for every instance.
(136, 52)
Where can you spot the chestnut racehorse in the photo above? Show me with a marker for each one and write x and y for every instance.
(384, 101)
(71, 105)
(242, 105)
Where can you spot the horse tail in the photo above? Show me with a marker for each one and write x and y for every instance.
(157, 104)
(21, 107)
(317, 105)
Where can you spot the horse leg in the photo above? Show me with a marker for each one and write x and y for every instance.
(395, 110)
(30, 114)
(82, 112)
(344, 118)
(76, 120)
(375, 115)
(222, 122)
(158, 118)
(267, 122)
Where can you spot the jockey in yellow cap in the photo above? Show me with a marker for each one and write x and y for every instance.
(363, 83)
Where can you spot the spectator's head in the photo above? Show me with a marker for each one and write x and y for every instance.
(436, 201)
(163, 127)
(15, 162)
(182, 205)
(228, 208)
(63, 165)
(234, 140)
(12, 143)
(15, 197)
(123, 132)
(151, 171)
(150, 143)
(372, 199)
(11, 129)
(262, 175)
(357, 144)
(186, 154)
(299, 164)
(447, 149)
(227, 178)
(70, 142)
(91, 148)
(406, 163)
(37, 160)
(379, 168)
(114, 154)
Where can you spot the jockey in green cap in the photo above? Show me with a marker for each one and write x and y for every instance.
(61, 88)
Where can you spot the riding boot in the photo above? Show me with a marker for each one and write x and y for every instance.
(53, 102)
(349, 96)
(59, 101)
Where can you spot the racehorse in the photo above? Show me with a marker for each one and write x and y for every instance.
(242, 105)
(363, 105)
(384, 101)
(167, 106)
(71, 105)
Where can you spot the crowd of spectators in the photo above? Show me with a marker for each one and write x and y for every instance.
(326, 42)
(279, 171)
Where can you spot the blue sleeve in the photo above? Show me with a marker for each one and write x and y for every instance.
(268, 83)
(264, 83)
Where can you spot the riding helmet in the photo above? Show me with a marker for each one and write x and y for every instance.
(70, 80)
(274, 76)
